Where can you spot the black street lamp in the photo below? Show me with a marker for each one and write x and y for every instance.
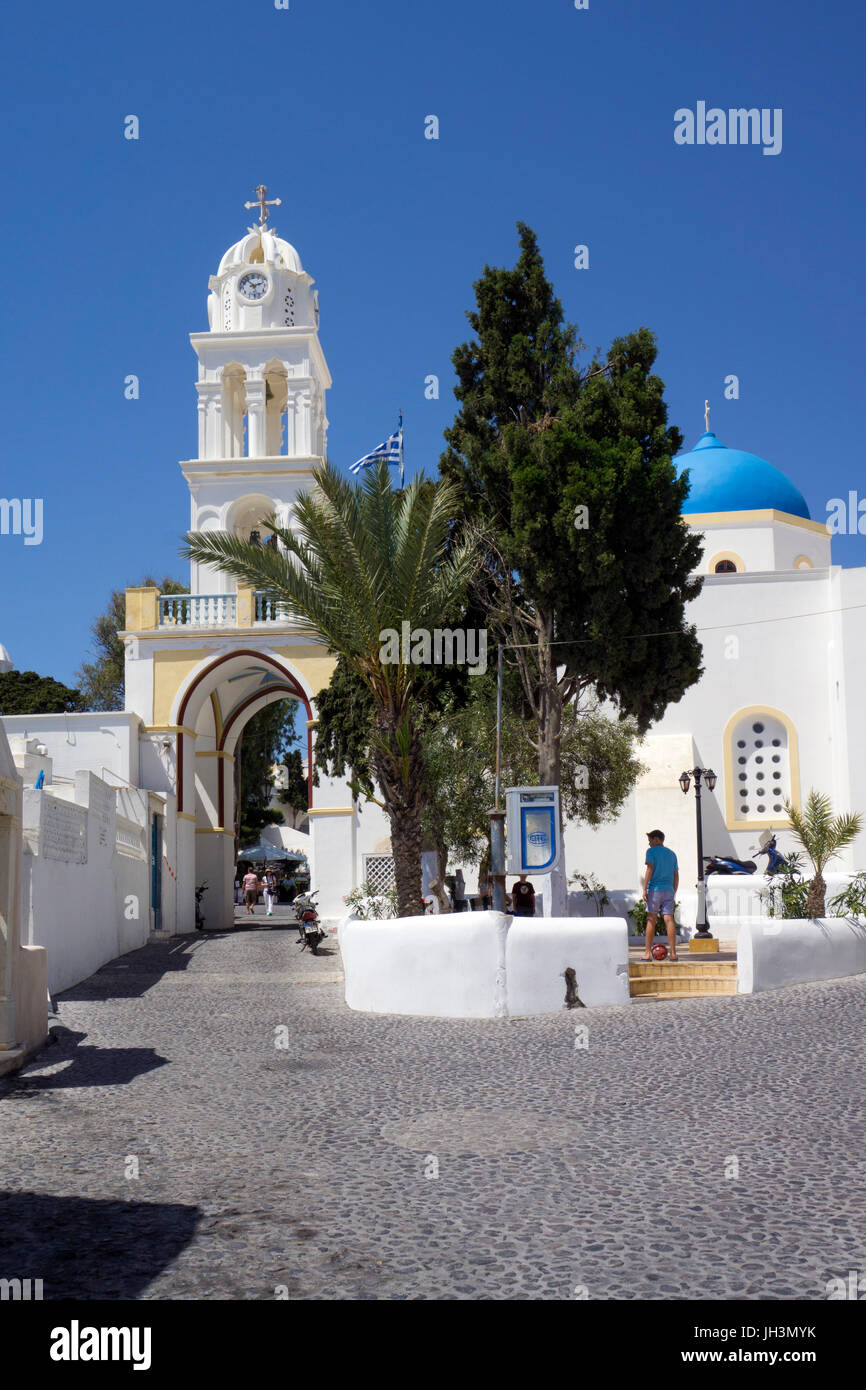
(702, 928)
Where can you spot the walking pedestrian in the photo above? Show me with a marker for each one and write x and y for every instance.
(523, 898)
(661, 881)
(270, 892)
(251, 890)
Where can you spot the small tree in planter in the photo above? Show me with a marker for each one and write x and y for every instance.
(593, 888)
(823, 837)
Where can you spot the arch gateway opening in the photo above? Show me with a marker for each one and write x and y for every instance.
(219, 703)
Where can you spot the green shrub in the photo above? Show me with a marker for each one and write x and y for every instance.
(367, 904)
(786, 894)
(851, 902)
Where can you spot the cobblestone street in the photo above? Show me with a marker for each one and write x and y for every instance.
(312, 1166)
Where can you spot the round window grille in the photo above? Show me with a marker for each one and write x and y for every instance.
(751, 740)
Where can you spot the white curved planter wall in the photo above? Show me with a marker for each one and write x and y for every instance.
(538, 949)
(773, 953)
(481, 964)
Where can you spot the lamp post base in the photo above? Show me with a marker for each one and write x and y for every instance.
(708, 945)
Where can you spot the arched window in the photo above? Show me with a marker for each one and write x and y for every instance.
(726, 562)
(276, 400)
(762, 768)
(234, 404)
(246, 519)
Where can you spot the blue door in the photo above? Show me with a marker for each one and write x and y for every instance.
(156, 870)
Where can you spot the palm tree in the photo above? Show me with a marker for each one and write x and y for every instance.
(362, 559)
(823, 838)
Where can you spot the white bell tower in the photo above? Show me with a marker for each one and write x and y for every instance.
(262, 378)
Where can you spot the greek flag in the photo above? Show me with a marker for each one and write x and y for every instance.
(390, 449)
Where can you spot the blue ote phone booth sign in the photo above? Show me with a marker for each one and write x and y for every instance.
(532, 827)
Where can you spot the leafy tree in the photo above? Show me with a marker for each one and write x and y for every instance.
(25, 692)
(266, 741)
(101, 680)
(589, 565)
(345, 725)
(599, 767)
(823, 837)
(458, 739)
(363, 560)
(294, 794)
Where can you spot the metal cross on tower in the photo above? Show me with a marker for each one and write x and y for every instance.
(263, 203)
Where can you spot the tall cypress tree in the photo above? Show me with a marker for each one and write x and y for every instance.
(570, 472)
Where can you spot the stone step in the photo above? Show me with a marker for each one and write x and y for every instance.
(688, 978)
(689, 986)
(684, 993)
(675, 967)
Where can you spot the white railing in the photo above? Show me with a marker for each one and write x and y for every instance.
(220, 610)
(269, 609)
(197, 610)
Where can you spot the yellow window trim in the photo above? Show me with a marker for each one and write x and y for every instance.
(727, 555)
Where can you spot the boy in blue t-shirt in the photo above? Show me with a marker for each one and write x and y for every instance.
(661, 881)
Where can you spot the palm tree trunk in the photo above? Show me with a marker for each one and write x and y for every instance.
(399, 769)
(815, 899)
(406, 839)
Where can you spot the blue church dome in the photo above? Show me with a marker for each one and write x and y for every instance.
(729, 480)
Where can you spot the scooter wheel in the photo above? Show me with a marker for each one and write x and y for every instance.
(314, 947)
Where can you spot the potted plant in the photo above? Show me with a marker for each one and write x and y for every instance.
(823, 837)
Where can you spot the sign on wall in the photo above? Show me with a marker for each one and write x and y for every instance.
(63, 833)
(532, 829)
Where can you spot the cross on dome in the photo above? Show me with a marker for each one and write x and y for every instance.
(263, 203)
(706, 406)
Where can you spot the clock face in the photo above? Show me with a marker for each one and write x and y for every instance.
(254, 285)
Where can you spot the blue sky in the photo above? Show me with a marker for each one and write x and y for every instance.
(741, 263)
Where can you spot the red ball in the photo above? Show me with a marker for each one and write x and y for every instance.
(659, 951)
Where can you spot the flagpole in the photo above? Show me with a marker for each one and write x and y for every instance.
(401, 449)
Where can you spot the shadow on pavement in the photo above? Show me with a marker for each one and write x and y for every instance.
(131, 975)
(83, 1248)
(88, 1066)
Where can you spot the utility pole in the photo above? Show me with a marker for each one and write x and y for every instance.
(497, 816)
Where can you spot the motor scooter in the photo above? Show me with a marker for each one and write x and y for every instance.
(310, 930)
(776, 862)
(725, 864)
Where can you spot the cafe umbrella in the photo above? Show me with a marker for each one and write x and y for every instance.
(270, 854)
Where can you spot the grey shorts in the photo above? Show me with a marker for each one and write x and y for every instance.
(660, 900)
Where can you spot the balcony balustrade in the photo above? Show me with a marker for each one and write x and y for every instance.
(220, 610)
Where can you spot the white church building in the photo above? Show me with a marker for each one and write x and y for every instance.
(777, 710)
(775, 713)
